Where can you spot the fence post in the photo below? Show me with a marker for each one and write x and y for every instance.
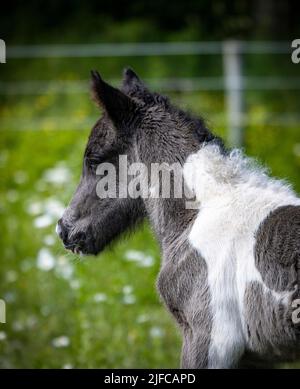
(233, 79)
(2, 312)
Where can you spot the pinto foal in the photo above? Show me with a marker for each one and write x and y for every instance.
(230, 269)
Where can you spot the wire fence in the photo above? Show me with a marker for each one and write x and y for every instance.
(143, 49)
(233, 82)
(180, 84)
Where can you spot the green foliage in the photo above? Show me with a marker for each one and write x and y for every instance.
(55, 21)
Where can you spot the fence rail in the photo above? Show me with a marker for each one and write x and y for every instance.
(142, 49)
(233, 81)
(188, 84)
(62, 123)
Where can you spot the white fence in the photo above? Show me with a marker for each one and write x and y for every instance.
(2, 312)
(142, 49)
(233, 82)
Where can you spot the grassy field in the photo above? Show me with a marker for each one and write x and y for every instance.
(68, 312)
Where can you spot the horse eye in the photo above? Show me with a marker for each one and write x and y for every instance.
(94, 160)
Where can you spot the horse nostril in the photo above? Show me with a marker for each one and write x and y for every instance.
(62, 230)
(81, 236)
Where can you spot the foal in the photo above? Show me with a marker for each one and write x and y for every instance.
(228, 278)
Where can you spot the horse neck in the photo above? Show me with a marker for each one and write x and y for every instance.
(169, 218)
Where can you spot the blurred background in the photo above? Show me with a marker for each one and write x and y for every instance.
(229, 61)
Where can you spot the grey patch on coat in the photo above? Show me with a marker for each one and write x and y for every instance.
(277, 250)
(182, 283)
(271, 335)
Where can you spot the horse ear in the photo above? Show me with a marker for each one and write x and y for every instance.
(117, 105)
(132, 84)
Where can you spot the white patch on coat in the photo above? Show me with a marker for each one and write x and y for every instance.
(235, 196)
